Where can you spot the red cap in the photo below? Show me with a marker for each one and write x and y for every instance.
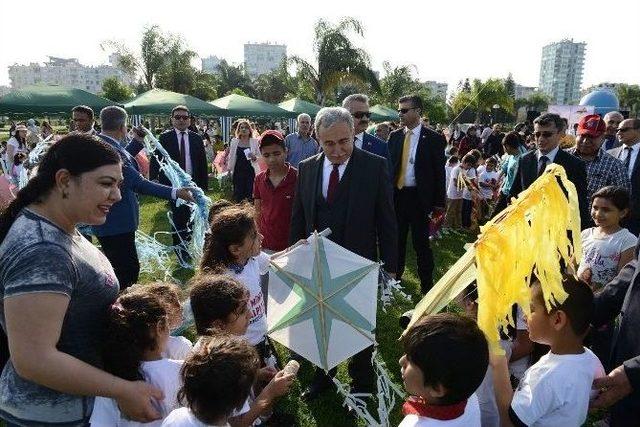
(271, 137)
(591, 125)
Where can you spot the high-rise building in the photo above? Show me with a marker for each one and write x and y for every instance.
(210, 64)
(262, 58)
(524, 91)
(437, 89)
(66, 72)
(561, 71)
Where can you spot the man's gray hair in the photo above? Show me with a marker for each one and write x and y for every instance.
(112, 118)
(303, 116)
(329, 116)
(356, 97)
(613, 113)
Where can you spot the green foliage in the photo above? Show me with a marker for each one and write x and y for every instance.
(276, 86)
(337, 61)
(115, 90)
(629, 97)
(230, 77)
(205, 86)
(510, 86)
(481, 98)
(538, 101)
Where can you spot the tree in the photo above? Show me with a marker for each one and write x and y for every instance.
(205, 86)
(176, 74)
(276, 86)
(337, 60)
(397, 82)
(482, 97)
(510, 86)
(116, 91)
(629, 97)
(538, 101)
(232, 77)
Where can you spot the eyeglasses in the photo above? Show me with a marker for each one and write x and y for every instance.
(180, 117)
(623, 130)
(361, 114)
(405, 110)
(546, 134)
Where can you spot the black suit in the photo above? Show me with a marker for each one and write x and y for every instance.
(414, 204)
(527, 173)
(367, 224)
(633, 222)
(622, 297)
(199, 173)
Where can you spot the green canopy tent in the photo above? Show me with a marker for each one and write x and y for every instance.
(243, 106)
(299, 106)
(380, 113)
(161, 102)
(49, 100)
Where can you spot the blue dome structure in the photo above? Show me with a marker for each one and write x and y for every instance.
(603, 100)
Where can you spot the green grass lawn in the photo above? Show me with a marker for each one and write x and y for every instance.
(327, 410)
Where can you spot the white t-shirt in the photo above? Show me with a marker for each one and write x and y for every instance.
(470, 418)
(178, 348)
(447, 174)
(452, 190)
(183, 417)
(602, 255)
(250, 277)
(164, 374)
(486, 177)
(555, 391)
(470, 174)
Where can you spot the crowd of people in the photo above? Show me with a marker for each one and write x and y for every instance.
(87, 344)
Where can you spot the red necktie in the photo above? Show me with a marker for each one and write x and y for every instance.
(334, 180)
(183, 158)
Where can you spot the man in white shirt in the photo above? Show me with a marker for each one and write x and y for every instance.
(627, 153)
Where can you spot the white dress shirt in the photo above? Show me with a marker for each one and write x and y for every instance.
(634, 155)
(358, 140)
(551, 155)
(410, 173)
(188, 168)
(327, 168)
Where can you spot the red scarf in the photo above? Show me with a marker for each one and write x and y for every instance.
(416, 406)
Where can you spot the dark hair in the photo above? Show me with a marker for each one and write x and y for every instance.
(77, 153)
(415, 100)
(180, 108)
(217, 207)
(547, 119)
(470, 293)
(230, 226)
(18, 158)
(83, 109)
(578, 306)
(440, 345)
(113, 118)
(492, 160)
(130, 331)
(453, 159)
(618, 196)
(268, 140)
(168, 294)
(476, 153)
(217, 377)
(512, 139)
(469, 158)
(215, 297)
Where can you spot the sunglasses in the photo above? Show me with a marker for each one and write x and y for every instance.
(180, 117)
(405, 110)
(361, 114)
(546, 134)
(623, 130)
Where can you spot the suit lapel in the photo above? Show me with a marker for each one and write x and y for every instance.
(530, 168)
(314, 185)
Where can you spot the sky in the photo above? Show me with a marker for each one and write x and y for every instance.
(445, 40)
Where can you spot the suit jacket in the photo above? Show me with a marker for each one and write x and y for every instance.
(634, 215)
(622, 296)
(123, 217)
(169, 140)
(429, 165)
(527, 173)
(371, 220)
(375, 145)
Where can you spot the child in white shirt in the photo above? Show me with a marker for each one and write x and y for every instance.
(488, 180)
(555, 391)
(439, 373)
(217, 379)
(455, 191)
(136, 336)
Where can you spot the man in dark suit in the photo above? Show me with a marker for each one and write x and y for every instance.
(547, 131)
(621, 388)
(347, 190)
(358, 106)
(187, 149)
(417, 156)
(629, 136)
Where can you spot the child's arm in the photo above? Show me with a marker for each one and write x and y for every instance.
(277, 387)
(502, 387)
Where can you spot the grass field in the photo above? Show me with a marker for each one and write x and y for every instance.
(327, 410)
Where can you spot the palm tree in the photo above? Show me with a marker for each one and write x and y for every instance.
(629, 96)
(482, 98)
(338, 60)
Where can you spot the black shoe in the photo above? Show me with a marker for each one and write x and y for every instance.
(314, 390)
